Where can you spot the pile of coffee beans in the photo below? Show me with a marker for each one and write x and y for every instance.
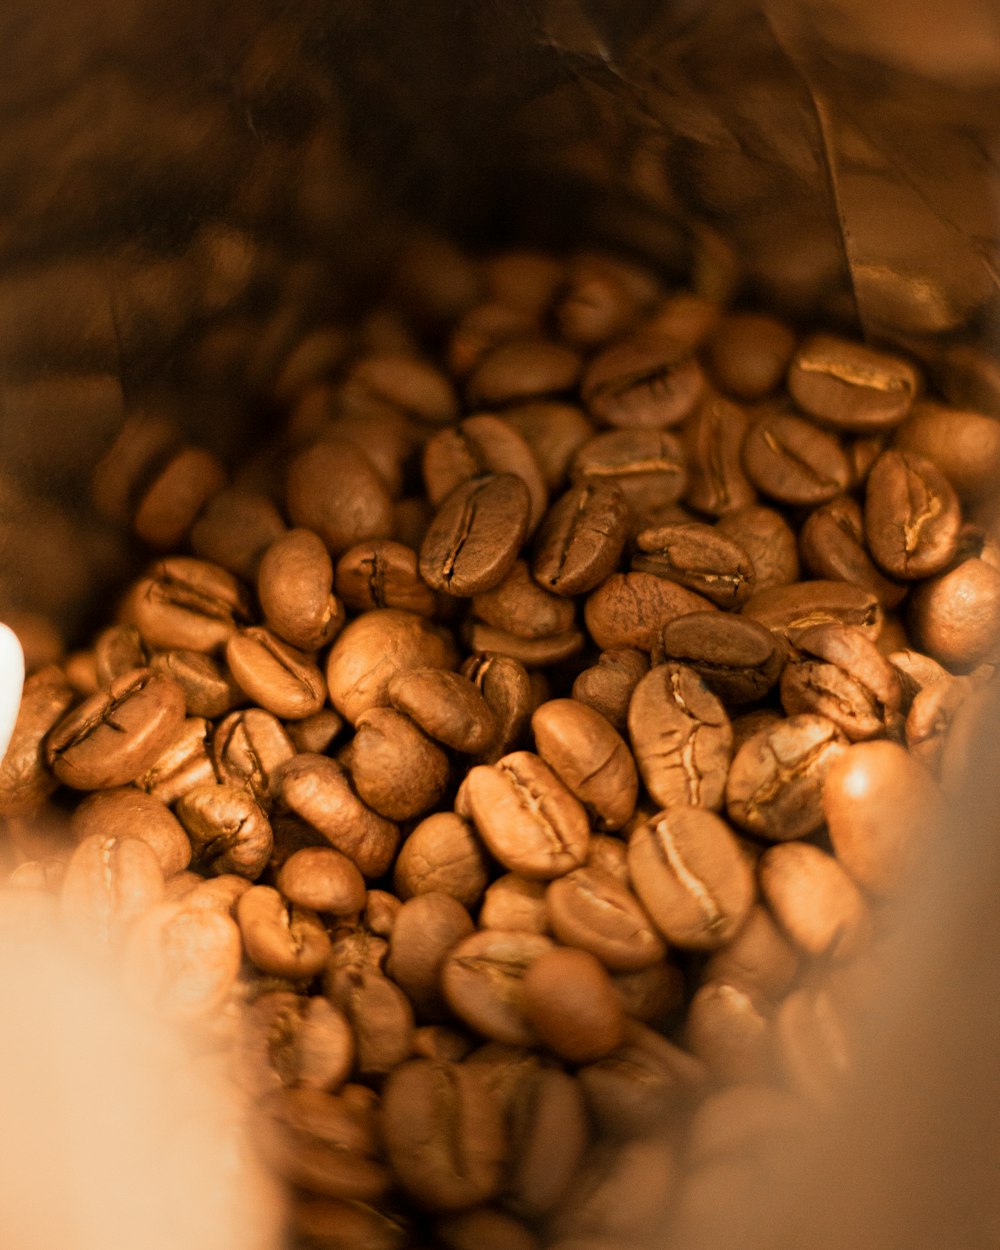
(502, 766)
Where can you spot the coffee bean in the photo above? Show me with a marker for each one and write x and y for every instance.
(629, 610)
(445, 705)
(742, 1118)
(734, 656)
(792, 461)
(395, 768)
(407, 383)
(441, 1043)
(506, 687)
(533, 653)
(442, 853)
(592, 910)
(514, 902)
(647, 466)
(183, 961)
(553, 431)
(839, 673)
(209, 688)
(776, 781)
(768, 540)
(525, 369)
(183, 764)
(849, 385)
(789, 610)
(128, 813)
(548, 1122)
(317, 732)
(25, 779)
(228, 830)
(277, 676)
(571, 1003)
(728, 1030)
(481, 329)
(322, 879)
(457, 1159)
(518, 605)
(581, 538)
(748, 353)
(929, 721)
(117, 651)
(528, 819)
(698, 557)
(427, 929)
(956, 614)
(832, 542)
(912, 516)
(759, 955)
(116, 734)
(620, 1195)
(380, 1014)
(249, 749)
(589, 757)
(334, 490)
(234, 529)
(381, 910)
(812, 1047)
(691, 876)
(607, 686)
(109, 882)
(279, 937)
(288, 1040)
(294, 586)
(713, 442)
(190, 604)
(485, 1228)
(814, 901)
(342, 1224)
(646, 381)
(965, 446)
(176, 496)
(474, 539)
(482, 982)
(681, 737)
(596, 302)
(524, 279)
(382, 573)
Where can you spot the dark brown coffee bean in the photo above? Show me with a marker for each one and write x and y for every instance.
(524, 279)
(691, 876)
(607, 686)
(181, 960)
(759, 955)
(315, 733)
(955, 615)
(209, 687)
(629, 610)
(735, 657)
(116, 734)
(713, 440)
(249, 749)
(851, 386)
(395, 768)
(832, 543)
(128, 813)
(25, 779)
(176, 496)
(118, 650)
(383, 574)
(553, 431)
(681, 737)
(839, 673)
(589, 757)
(748, 353)
(183, 764)
(591, 909)
(581, 538)
(912, 516)
(485, 1228)
(727, 1028)
(380, 1014)
(277, 676)
(371, 650)
(570, 1001)
(528, 819)
(228, 830)
(647, 466)
(234, 529)
(769, 541)
(482, 979)
(506, 687)
(322, 879)
(815, 902)
(524, 369)
(698, 557)
(533, 653)
(442, 853)
(645, 381)
(280, 938)
(189, 604)
(514, 902)
(474, 539)
(288, 1040)
(334, 490)
(456, 1160)
(776, 781)
(481, 446)
(481, 329)
(294, 586)
(445, 705)
(427, 929)
(109, 882)
(788, 610)
(596, 303)
(965, 446)
(792, 461)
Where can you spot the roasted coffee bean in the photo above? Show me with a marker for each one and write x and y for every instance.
(750, 723)
(427, 929)
(691, 876)
(315, 733)
(380, 1014)
(482, 982)
(581, 538)
(882, 808)
(742, 1118)
(519, 605)
(965, 446)
(832, 543)
(441, 1043)
(929, 720)
(815, 902)
(456, 1160)
(792, 461)
(182, 960)
(681, 737)
(289, 1040)
(590, 909)
(249, 749)
(571, 1003)
(698, 557)
(279, 937)
(526, 816)
(735, 657)
(916, 671)
(277, 676)
(776, 781)
(25, 779)
(478, 447)
(812, 1047)
(481, 329)
(485, 1228)
(228, 830)
(445, 705)
(334, 490)
(294, 586)
(547, 1122)
(851, 386)
(912, 516)
(759, 955)
(553, 431)
(190, 604)
(353, 950)
(789, 610)
(318, 789)
(407, 383)
(533, 653)
(589, 757)
(524, 279)
(748, 353)
(505, 685)
(209, 687)
(514, 902)
(629, 610)
(116, 734)
(109, 882)
(769, 541)
(955, 616)
(382, 573)
(839, 673)
(442, 853)
(176, 496)
(322, 879)
(219, 894)
(620, 1195)
(647, 466)
(234, 529)
(342, 1224)
(183, 764)
(651, 995)
(128, 813)
(525, 369)
(607, 686)
(713, 441)
(646, 381)
(381, 910)
(395, 768)
(371, 650)
(599, 299)
(474, 539)
(117, 651)
(727, 1028)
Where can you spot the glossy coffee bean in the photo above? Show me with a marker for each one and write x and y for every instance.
(646, 465)
(837, 672)
(769, 541)
(645, 381)
(191, 604)
(629, 610)
(851, 386)
(322, 879)
(228, 830)
(506, 686)
(274, 674)
(474, 539)
(955, 615)
(734, 656)
(25, 778)
(442, 853)
(382, 573)
(790, 609)
(748, 353)
(713, 440)
(589, 757)
(427, 928)
(210, 689)
(294, 586)
(249, 749)
(581, 538)
(279, 937)
(553, 431)
(699, 557)
(334, 490)
(965, 446)
(593, 910)
(524, 369)
(792, 461)
(912, 516)
(519, 605)
(129, 813)
(571, 1003)
(395, 768)
(447, 706)
(514, 902)
(482, 980)
(832, 543)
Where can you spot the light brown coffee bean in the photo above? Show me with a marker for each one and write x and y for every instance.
(395, 768)
(427, 929)
(482, 980)
(383, 573)
(318, 789)
(607, 685)
(837, 672)
(533, 653)
(699, 557)
(317, 732)
(955, 615)
(571, 1003)
(528, 819)
(118, 650)
(322, 879)
(209, 688)
(234, 529)
(474, 539)
(524, 369)
(25, 779)
(116, 734)
(691, 876)
(965, 446)
(590, 909)
(506, 687)
(249, 749)
(815, 902)
(381, 910)
(832, 543)
(713, 440)
(219, 894)
(553, 431)
(228, 830)
(789, 609)
(928, 723)
(371, 650)
(912, 516)
(514, 902)
(748, 353)
(589, 757)
(174, 498)
(645, 381)
(792, 461)
(445, 705)
(295, 589)
(380, 1014)
(519, 605)
(108, 883)
(441, 1043)
(182, 960)
(629, 610)
(288, 1040)
(442, 853)
(334, 490)
(735, 657)
(851, 386)
(776, 781)
(759, 955)
(681, 737)
(457, 1159)
(727, 1028)
(647, 466)
(769, 541)
(340, 1224)
(183, 764)
(189, 604)
(277, 676)
(128, 813)
(279, 937)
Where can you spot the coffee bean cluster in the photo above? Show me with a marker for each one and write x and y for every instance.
(506, 762)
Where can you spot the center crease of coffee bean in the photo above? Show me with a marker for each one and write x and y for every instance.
(856, 375)
(694, 885)
(782, 449)
(785, 773)
(535, 805)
